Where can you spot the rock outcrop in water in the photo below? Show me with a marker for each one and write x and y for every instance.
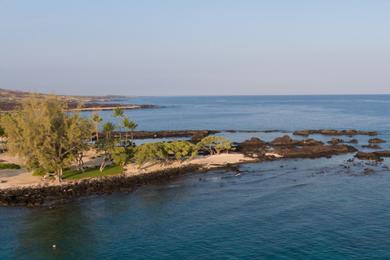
(195, 134)
(353, 141)
(283, 141)
(371, 146)
(335, 132)
(335, 141)
(374, 156)
(376, 141)
(315, 151)
(286, 147)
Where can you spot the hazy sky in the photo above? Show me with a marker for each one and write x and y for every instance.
(195, 47)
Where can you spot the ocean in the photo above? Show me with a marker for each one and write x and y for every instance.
(287, 209)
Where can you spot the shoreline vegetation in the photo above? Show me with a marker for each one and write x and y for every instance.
(51, 155)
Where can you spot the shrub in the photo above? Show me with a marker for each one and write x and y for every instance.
(214, 144)
(150, 152)
(122, 155)
(180, 149)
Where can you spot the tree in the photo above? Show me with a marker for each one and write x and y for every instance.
(97, 119)
(107, 144)
(129, 125)
(115, 150)
(119, 113)
(46, 135)
(108, 129)
(214, 144)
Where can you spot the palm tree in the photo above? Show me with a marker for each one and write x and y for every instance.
(119, 113)
(97, 119)
(131, 126)
(108, 128)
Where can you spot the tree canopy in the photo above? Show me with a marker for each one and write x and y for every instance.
(164, 151)
(45, 134)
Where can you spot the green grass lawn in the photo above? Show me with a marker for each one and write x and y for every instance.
(92, 172)
(11, 166)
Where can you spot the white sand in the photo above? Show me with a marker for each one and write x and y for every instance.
(24, 178)
(208, 162)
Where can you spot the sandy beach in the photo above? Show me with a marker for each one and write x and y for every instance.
(24, 178)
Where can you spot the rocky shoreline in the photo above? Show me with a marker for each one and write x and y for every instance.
(196, 134)
(193, 134)
(32, 196)
(254, 150)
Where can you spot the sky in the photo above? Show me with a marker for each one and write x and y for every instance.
(195, 47)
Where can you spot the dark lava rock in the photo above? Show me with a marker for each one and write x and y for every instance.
(374, 156)
(334, 132)
(254, 141)
(368, 156)
(252, 146)
(198, 137)
(371, 146)
(335, 141)
(283, 141)
(385, 153)
(315, 151)
(309, 141)
(376, 141)
(353, 141)
(38, 195)
(303, 132)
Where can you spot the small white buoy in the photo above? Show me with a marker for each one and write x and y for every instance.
(54, 246)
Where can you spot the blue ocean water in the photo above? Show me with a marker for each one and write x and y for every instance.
(288, 209)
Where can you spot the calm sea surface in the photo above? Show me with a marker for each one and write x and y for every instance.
(288, 209)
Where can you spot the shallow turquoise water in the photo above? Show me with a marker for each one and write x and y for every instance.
(302, 209)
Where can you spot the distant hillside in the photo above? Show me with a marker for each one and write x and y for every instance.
(11, 99)
(13, 95)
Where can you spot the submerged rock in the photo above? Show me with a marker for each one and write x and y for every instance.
(371, 146)
(376, 141)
